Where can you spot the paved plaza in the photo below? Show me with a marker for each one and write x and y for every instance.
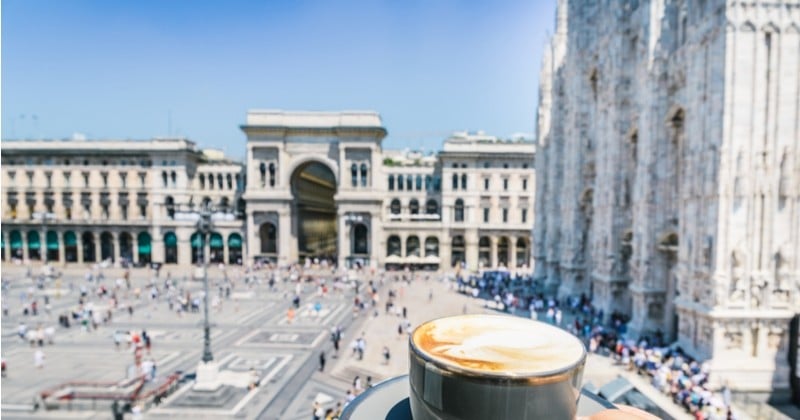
(250, 333)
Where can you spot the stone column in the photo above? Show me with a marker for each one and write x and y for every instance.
(375, 235)
(135, 247)
(252, 245)
(512, 251)
(225, 250)
(445, 251)
(7, 248)
(25, 251)
(115, 241)
(471, 249)
(287, 237)
(493, 257)
(79, 246)
(62, 258)
(342, 242)
(98, 255)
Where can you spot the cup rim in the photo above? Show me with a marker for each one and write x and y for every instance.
(538, 376)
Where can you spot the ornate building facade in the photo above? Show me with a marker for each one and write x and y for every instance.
(314, 185)
(668, 180)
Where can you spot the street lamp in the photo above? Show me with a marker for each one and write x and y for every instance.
(204, 225)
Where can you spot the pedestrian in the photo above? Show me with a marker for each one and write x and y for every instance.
(357, 387)
(405, 312)
(558, 317)
(362, 346)
(369, 382)
(386, 355)
(290, 315)
(38, 359)
(322, 361)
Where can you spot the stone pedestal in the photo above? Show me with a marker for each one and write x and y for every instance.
(207, 379)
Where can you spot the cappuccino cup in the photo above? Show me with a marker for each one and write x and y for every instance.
(493, 367)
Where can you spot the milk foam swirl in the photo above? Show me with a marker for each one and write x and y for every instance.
(496, 343)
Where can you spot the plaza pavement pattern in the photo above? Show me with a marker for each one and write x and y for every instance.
(248, 332)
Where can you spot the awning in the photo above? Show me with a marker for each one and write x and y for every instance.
(70, 239)
(216, 241)
(33, 240)
(234, 241)
(197, 240)
(52, 240)
(393, 259)
(143, 242)
(16, 240)
(170, 239)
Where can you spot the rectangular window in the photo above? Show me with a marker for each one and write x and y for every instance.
(49, 178)
(505, 215)
(505, 184)
(143, 211)
(486, 184)
(142, 176)
(524, 215)
(123, 211)
(86, 180)
(67, 179)
(30, 178)
(105, 179)
(123, 177)
(485, 215)
(524, 184)
(12, 175)
(105, 211)
(68, 213)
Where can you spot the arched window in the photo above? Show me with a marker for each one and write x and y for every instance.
(230, 182)
(262, 169)
(106, 246)
(126, 246)
(412, 246)
(413, 206)
(363, 174)
(164, 179)
(393, 246)
(174, 177)
(224, 203)
(431, 207)
(268, 235)
(502, 252)
(210, 181)
(272, 174)
(459, 210)
(239, 185)
(431, 246)
(216, 246)
(360, 240)
(419, 182)
(400, 184)
(170, 248)
(202, 181)
(409, 182)
(219, 181)
(169, 204)
(463, 181)
(428, 183)
(395, 206)
(240, 208)
(391, 182)
(354, 175)
(455, 181)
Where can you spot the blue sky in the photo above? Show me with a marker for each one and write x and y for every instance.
(141, 69)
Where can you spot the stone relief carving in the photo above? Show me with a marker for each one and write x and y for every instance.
(734, 337)
(737, 287)
(783, 276)
(758, 286)
(775, 338)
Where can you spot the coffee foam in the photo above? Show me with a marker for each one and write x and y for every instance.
(496, 343)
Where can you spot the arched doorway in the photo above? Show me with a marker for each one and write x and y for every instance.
(314, 212)
(87, 241)
(457, 250)
(34, 245)
(235, 248)
(170, 248)
(484, 251)
(16, 244)
(106, 246)
(268, 235)
(70, 246)
(198, 248)
(144, 246)
(126, 246)
(52, 246)
(216, 248)
(522, 252)
(360, 240)
(502, 252)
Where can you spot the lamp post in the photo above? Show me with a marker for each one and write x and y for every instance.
(204, 226)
